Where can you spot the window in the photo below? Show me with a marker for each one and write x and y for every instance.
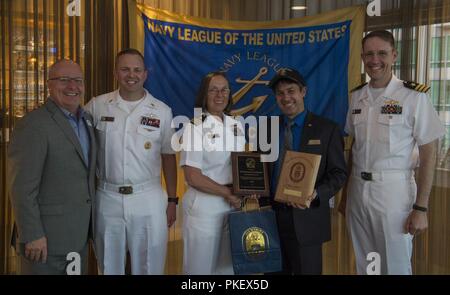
(436, 51)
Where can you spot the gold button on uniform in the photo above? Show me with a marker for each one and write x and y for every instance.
(147, 145)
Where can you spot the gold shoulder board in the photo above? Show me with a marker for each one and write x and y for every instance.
(416, 86)
(358, 87)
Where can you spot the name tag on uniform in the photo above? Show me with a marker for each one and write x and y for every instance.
(152, 122)
(107, 119)
(356, 111)
(314, 142)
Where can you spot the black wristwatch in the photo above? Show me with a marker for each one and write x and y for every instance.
(420, 208)
(173, 200)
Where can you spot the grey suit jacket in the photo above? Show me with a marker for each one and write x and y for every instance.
(52, 190)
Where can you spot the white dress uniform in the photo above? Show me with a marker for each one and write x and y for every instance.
(205, 230)
(387, 131)
(131, 210)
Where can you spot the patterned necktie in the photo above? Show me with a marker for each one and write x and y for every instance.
(286, 146)
(288, 135)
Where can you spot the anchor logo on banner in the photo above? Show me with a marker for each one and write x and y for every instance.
(257, 100)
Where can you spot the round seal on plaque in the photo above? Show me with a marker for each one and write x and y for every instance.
(250, 163)
(297, 172)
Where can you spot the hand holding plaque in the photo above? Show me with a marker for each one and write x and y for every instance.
(250, 175)
(297, 178)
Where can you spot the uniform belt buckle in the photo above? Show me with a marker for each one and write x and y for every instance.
(366, 175)
(126, 190)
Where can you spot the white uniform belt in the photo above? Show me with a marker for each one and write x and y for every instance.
(127, 189)
(383, 175)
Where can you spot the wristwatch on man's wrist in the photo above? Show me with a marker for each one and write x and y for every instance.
(173, 200)
(420, 208)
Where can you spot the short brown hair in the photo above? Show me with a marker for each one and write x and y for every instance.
(131, 51)
(202, 94)
(382, 34)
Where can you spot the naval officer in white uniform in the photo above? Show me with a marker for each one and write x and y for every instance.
(389, 119)
(206, 160)
(133, 212)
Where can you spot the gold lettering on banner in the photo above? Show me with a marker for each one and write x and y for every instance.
(201, 36)
(161, 29)
(253, 38)
(270, 61)
(230, 62)
(326, 34)
(287, 38)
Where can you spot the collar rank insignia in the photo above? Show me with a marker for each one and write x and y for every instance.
(356, 111)
(416, 86)
(391, 107)
(146, 121)
(198, 120)
(151, 106)
(107, 119)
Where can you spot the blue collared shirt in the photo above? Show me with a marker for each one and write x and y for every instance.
(79, 127)
(296, 129)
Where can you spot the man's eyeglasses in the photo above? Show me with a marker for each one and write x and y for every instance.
(67, 80)
(223, 91)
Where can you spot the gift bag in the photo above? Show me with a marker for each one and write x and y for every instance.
(255, 244)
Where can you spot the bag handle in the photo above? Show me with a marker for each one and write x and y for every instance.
(250, 204)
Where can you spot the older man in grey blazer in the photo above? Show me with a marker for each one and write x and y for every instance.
(51, 161)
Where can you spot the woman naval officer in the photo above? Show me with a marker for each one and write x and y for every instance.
(206, 161)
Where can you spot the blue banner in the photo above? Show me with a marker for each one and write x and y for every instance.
(178, 55)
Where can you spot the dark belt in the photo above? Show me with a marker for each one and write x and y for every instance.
(366, 176)
(280, 206)
(126, 190)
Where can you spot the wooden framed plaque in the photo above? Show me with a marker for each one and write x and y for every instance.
(297, 178)
(250, 175)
